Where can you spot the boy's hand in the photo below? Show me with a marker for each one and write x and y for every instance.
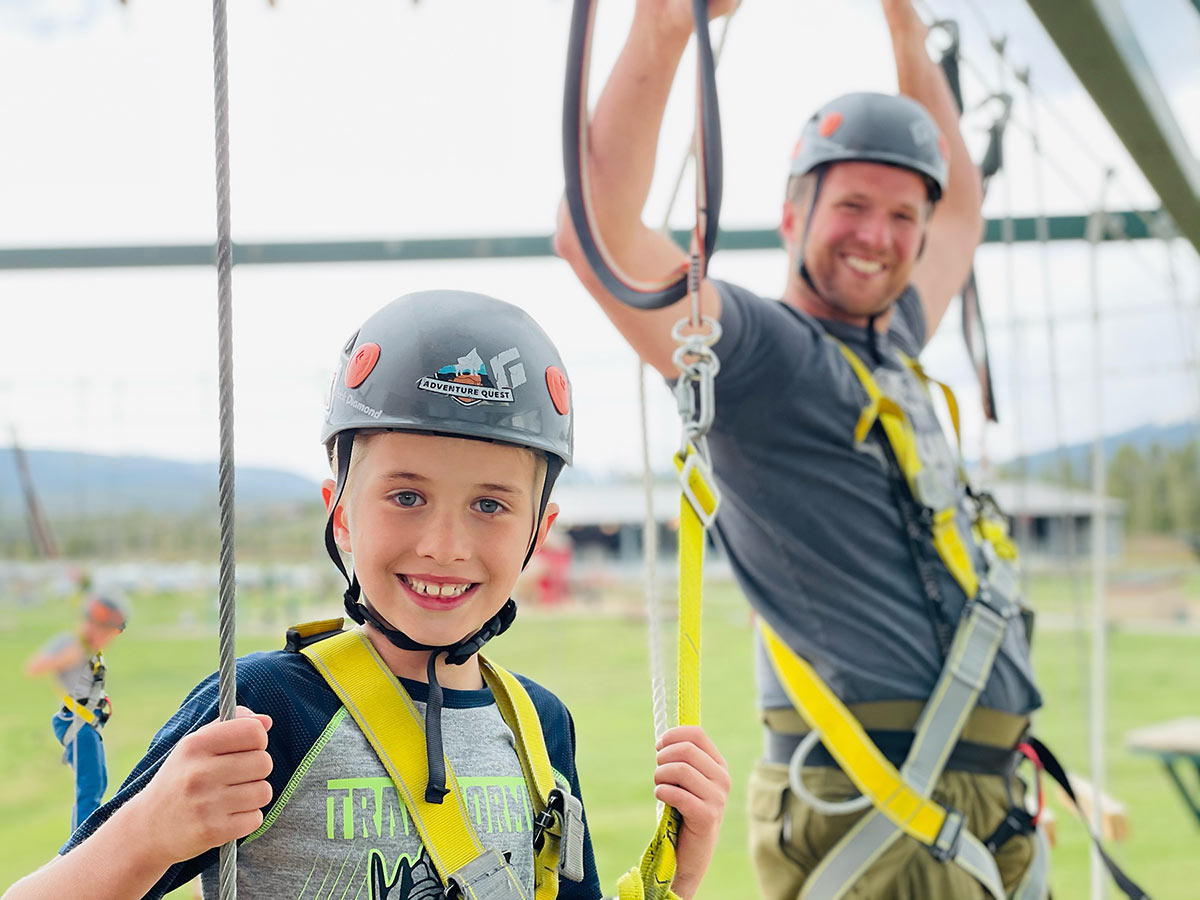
(210, 789)
(693, 778)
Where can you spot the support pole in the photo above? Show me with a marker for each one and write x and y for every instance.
(1098, 688)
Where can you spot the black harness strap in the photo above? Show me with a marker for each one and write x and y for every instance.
(575, 119)
(1055, 770)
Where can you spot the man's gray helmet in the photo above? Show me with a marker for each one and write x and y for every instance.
(449, 363)
(883, 128)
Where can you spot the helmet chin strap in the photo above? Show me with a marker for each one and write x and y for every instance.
(360, 611)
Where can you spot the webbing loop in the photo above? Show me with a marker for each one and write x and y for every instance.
(635, 292)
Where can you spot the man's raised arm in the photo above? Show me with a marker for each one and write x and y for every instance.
(623, 141)
(957, 223)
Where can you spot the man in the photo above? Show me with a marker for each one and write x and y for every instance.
(857, 548)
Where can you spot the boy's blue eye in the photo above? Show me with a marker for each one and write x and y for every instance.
(408, 498)
(488, 505)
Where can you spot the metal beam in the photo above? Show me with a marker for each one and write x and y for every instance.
(1095, 38)
(1130, 224)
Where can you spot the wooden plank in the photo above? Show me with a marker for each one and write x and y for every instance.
(1177, 736)
(1114, 820)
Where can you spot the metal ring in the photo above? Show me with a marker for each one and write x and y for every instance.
(796, 782)
(705, 364)
(714, 331)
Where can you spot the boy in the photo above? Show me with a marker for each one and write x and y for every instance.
(76, 660)
(444, 468)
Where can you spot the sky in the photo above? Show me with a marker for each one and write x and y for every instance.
(373, 119)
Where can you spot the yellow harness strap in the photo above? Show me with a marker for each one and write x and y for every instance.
(947, 539)
(651, 880)
(393, 726)
(519, 714)
(850, 745)
(87, 711)
(78, 709)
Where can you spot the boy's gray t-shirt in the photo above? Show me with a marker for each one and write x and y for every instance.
(810, 521)
(342, 795)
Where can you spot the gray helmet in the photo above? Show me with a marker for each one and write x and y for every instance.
(456, 363)
(883, 128)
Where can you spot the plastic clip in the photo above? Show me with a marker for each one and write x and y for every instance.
(563, 819)
(486, 877)
(945, 846)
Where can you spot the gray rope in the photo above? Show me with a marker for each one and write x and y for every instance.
(227, 702)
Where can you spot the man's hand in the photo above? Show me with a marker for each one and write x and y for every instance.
(693, 778)
(209, 791)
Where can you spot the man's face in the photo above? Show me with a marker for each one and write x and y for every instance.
(864, 237)
(438, 528)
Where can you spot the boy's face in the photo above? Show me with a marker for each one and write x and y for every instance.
(438, 527)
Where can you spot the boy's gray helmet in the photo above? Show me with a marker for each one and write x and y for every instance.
(883, 128)
(451, 363)
(455, 363)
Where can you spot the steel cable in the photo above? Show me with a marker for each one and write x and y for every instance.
(227, 678)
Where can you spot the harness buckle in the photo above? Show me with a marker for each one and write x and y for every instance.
(694, 463)
(486, 877)
(1000, 604)
(945, 846)
(1001, 576)
(562, 820)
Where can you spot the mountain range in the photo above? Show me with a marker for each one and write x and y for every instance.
(71, 484)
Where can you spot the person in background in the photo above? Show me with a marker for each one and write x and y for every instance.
(76, 660)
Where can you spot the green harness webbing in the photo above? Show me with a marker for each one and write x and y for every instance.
(389, 719)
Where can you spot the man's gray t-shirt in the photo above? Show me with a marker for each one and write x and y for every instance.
(810, 520)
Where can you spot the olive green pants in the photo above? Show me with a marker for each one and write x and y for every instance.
(788, 838)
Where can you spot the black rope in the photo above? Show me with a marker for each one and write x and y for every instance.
(709, 161)
(1055, 770)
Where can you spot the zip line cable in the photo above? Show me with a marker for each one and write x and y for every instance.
(658, 687)
(1063, 172)
(1016, 356)
(1067, 519)
(1098, 681)
(1055, 114)
(227, 687)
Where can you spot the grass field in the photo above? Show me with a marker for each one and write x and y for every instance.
(596, 661)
